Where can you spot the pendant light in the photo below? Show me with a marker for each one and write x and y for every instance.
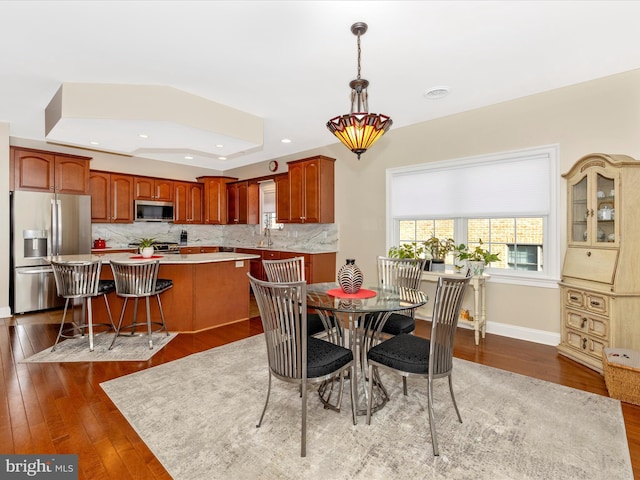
(359, 130)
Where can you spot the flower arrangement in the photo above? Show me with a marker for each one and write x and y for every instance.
(407, 250)
(146, 242)
(478, 254)
(438, 248)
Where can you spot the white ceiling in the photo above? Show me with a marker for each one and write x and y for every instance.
(290, 62)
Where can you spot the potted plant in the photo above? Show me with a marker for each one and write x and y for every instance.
(146, 247)
(406, 250)
(438, 248)
(476, 258)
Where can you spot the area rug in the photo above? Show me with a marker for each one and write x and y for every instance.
(126, 349)
(198, 415)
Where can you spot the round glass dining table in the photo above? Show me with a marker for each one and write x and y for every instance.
(356, 321)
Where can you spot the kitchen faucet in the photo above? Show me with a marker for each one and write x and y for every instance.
(267, 233)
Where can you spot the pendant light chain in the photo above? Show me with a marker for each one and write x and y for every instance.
(359, 51)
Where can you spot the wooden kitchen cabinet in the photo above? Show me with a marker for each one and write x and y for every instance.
(282, 198)
(215, 199)
(157, 189)
(197, 249)
(187, 199)
(318, 267)
(600, 289)
(111, 197)
(311, 190)
(243, 203)
(40, 171)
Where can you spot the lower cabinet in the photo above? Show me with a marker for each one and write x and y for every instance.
(593, 321)
(198, 249)
(319, 267)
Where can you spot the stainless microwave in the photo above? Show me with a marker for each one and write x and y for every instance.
(150, 211)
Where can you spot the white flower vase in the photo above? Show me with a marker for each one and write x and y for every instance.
(146, 252)
(477, 267)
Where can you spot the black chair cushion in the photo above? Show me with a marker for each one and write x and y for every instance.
(324, 358)
(163, 283)
(106, 286)
(315, 325)
(395, 324)
(404, 352)
(398, 323)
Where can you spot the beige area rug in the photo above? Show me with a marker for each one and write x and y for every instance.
(198, 415)
(134, 349)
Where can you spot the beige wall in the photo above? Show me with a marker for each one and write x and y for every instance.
(597, 116)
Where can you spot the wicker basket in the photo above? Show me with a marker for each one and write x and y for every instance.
(622, 374)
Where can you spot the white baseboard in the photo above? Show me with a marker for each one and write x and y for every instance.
(5, 312)
(524, 333)
(521, 333)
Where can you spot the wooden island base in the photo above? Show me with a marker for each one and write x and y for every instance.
(204, 295)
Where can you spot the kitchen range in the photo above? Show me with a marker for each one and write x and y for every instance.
(162, 247)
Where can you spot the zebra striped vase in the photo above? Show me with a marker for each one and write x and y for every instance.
(350, 277)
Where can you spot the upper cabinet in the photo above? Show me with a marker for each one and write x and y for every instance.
(215, 199)
(187, 199)
(243, 203)
(282, 198)
(158, 189)
(311, 190)
(592, 207)
(49, 172)
(111, 197)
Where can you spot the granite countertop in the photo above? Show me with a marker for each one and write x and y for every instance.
(284, 249)
(174, 259)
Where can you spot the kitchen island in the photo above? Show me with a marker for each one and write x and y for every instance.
(209, 289)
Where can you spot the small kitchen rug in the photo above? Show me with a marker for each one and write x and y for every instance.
(133, 349)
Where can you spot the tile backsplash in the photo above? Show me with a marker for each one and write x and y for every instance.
(308, 237)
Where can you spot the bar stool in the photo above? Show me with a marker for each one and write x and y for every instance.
(139, 280)
(81, 280)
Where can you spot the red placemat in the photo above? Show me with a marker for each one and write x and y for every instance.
(362, 293)
(140, 257)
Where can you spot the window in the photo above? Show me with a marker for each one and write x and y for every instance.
(509, 201)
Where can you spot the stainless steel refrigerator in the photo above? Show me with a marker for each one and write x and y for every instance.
(44, 224)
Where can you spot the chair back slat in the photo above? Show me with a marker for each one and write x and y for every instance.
(446, 312)
(285, 270)
(77, 279)
(283, 309)
(400, 272)
(135, 279)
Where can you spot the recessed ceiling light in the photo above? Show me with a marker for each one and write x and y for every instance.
(143, 135)
(219, 145)
(436, 93)
(188, 157)
(222, 158)
(94, 143)
(285, 140)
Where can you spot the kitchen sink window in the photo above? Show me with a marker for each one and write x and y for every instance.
(509, 200)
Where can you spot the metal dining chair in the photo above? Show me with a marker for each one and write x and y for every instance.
(294, 356)
(411, 355)
(81, 280)
(139, 280)
(400, 272)
(293, 270)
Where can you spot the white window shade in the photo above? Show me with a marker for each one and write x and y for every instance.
(517, 184)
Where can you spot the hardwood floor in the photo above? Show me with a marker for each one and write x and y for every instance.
(60, 408)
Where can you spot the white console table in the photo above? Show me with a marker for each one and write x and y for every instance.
(477, 282)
